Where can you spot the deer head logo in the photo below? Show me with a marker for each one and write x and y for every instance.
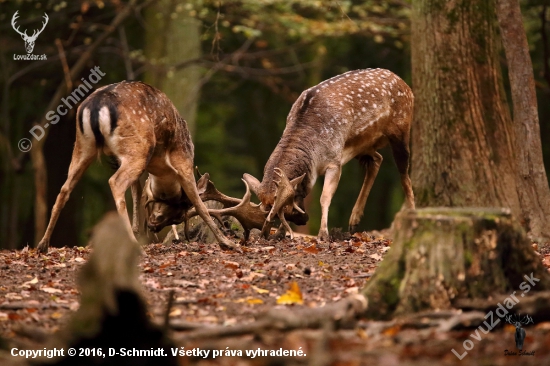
(517, 322)
(29, 40)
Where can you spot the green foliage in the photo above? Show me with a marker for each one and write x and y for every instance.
(258, 56)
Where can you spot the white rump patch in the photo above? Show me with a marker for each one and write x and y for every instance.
(104, 121)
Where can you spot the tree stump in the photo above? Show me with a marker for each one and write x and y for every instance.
(440, 255)
(113, 312)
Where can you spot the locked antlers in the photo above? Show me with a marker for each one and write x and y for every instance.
(284, 200)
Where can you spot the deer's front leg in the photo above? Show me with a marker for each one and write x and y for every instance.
(184, 169)
(128, 173)
(332, 177)
(136, 196)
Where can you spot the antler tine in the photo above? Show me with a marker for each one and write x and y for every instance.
(247, 194)
(13, 19)
(148, 192)
(197, 170)
(43, 24)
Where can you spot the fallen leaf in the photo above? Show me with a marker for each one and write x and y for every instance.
(175, 312)
(376, 256)
(31, 282)
(230, 264)
(56, 315)
(292, 296)
(260, 290)
(51, 290)
(312, 249)
(249, 300)
(391, 331)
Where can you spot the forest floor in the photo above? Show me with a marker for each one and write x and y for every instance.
(38, 294)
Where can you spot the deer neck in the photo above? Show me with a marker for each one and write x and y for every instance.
(294, 157)
(165, 188)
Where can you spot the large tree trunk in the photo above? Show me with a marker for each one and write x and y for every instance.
(440, 256)
(534, 195)
(173, 37)
(463, 136)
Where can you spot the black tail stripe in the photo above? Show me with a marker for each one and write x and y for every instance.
(94, 123)
(79, 117)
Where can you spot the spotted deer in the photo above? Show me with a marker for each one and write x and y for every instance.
(348, 116)
(140, 127)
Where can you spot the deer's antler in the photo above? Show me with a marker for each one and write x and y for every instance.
(527, 320)
(249, 214)
(13, 19)
(37, 32)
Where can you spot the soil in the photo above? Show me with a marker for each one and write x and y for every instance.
(212, 287)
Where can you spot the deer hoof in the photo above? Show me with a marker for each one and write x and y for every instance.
(323, 235)
(43, 246)
(228, 245)
(353, 228)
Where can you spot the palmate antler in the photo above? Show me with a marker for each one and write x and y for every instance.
(284, 199)
(250, 215)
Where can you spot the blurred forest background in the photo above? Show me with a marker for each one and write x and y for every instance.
(233, 69)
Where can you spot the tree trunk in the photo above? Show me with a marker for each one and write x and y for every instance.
(173, 37)
(534, 195)
(463, 136)
(441, 255)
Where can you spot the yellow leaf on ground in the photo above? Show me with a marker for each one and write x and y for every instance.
(254, 301)
(250, 300)
(56, 315)
(292, 296)
(260, 290)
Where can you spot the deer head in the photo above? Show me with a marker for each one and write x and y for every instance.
(29, 40)
(163, 212)
(282, 199)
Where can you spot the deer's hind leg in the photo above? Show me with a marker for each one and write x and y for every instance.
(372, 165)
(401, 154)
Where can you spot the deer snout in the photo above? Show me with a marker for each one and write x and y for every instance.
(156, 222)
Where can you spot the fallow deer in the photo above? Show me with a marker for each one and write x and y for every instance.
(138, 125)
(348, 116)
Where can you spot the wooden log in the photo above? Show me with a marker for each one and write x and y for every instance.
(440, 255)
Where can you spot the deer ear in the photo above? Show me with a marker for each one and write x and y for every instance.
(253, 183)
(202, 183)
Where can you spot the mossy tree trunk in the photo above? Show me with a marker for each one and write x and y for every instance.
(463, 138)
(173, 37)
(440, 255)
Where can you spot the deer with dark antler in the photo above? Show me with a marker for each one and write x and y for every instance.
(142, 129)
(348, 116)
(29, 40)
(517, 322)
